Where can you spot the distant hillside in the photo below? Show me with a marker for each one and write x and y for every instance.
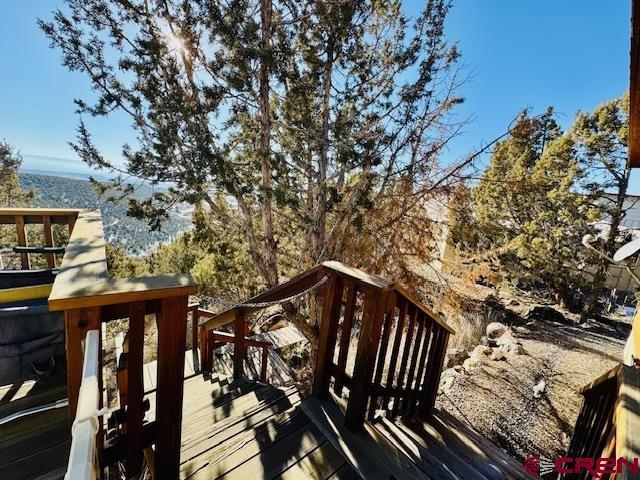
(131, 234)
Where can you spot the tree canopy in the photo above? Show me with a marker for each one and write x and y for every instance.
(296, 124)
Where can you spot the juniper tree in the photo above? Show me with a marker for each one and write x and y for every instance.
(528, 204)
(303, 114)
(601, 138)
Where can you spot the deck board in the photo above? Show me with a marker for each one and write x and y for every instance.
(34, 445)
(244, 429)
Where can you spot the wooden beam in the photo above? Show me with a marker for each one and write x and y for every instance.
(122, 290)
(172, 333)
(84, 262)
(34, 215)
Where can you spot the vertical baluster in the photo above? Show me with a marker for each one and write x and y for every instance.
(172, 333)
(135, 388)
(405, 358)
(48, 240)
(375, 305)
(331, 305)
(205, 352)
(345, 337)
(414, 360)
(265, 361)
(383, 345)
(434, 369)
(22, 242)
(393, 360)
(426, 341)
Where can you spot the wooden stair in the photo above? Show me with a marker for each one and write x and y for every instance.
(244, 429)
(441, 448)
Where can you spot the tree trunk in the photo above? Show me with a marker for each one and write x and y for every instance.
(265, 147)
(320, 217)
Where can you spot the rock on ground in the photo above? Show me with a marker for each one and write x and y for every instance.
(497, 399)
(495, 330)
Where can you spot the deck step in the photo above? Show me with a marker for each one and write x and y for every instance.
(251, 430)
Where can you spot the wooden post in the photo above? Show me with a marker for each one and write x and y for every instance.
(365, 358)
(76, 324)
(206, 362)
(195, 320)
(345, 337)
(135, 388)
(331, 305)
(172, 333)
(265, 361)
(22, 242)
(239, 347)
(48, 240)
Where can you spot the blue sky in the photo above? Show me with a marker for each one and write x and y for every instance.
(572, 54)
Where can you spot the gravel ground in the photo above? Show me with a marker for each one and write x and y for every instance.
(497, 398)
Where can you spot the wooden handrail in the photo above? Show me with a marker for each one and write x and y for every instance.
(83, 461)
(88, 297)
(85, 260)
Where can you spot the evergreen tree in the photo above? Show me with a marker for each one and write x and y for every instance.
(601, 137)
(527, 203)
(11, 193)
(299, 116)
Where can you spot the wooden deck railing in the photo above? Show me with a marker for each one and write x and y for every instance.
(88, 297)
(47, 217)
(608, 425)
(398, 353)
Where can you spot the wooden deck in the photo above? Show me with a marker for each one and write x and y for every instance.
(441, 448)
(244, 429)
(35, 446)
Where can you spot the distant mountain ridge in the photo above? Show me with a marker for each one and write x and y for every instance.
(133, 235)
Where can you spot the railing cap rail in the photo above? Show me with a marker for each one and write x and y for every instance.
(124, 290)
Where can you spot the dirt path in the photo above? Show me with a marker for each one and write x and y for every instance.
(497, 398)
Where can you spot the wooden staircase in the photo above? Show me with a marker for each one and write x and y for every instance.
(240, 429)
